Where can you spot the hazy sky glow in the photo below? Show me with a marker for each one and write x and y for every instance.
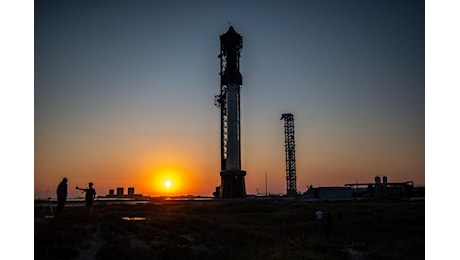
(124, 93)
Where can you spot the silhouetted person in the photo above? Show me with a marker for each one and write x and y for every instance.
(378, 216)
(61, 196)
(339, 215)
(319, 215)
(89, 197)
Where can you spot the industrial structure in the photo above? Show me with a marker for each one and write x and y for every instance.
(121, 195)
(232, 177)
(328, 193)
(291, 186)
(381, 188)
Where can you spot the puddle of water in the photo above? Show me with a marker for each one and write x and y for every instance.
(133, 218)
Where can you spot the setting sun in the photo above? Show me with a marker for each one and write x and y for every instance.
(166, 181)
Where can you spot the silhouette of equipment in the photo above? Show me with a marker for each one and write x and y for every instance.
(49, 208)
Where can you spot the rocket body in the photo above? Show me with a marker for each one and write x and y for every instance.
(232, 177)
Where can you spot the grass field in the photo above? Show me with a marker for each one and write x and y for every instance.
(249, 229)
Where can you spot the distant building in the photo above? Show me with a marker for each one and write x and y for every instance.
(328, 193)
(121, 196)
(131, 192)
(389, 190)
(120, 192)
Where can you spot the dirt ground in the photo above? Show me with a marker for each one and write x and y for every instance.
(242, 229)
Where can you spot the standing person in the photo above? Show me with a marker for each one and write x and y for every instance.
(90, 195)
(319, 215)
(61, 196)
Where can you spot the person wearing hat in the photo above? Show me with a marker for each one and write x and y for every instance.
(90, 195)
(61, 193)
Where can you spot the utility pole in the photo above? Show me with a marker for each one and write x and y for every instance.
(266, 193)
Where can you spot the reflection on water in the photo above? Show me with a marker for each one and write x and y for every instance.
(133, 218)
(80, 202)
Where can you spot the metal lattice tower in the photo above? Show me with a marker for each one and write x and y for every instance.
(291, 185)
(232, 177)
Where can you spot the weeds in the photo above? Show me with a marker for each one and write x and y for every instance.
(235, 230)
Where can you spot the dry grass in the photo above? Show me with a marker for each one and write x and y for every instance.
(252, 229)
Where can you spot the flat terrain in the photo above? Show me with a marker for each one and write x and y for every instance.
(243, 229)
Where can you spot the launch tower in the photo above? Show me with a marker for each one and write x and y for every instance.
(291, 185)
(232, 177)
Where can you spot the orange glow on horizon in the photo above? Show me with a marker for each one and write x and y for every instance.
(166, 181)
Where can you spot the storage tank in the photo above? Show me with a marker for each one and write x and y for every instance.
(377, 180)
(385, 180)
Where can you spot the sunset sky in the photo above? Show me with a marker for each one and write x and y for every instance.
(124, 93)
